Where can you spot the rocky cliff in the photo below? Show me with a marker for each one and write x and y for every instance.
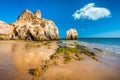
(30, 26)
(6, 30)
(71, 34)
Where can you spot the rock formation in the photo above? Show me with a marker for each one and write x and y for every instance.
(31, 26)
(71, 34)
(6, 30)
(38, 13)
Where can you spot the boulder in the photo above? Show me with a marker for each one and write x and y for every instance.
(71, 34)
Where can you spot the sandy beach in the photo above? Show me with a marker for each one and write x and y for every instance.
(18, 57)
(86, 69)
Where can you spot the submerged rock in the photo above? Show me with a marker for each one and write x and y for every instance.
(6, 30)
(71, 34)
(31, 26)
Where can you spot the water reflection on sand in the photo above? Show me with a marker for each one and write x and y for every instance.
(17, 57)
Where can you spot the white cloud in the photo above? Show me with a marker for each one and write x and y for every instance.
(91, 12)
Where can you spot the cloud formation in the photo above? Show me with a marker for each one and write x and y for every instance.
(91, 12)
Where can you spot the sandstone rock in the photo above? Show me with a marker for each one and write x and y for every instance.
(30, 26)
(6, 30)
(26, 15)
(38, 13)
(71, 34)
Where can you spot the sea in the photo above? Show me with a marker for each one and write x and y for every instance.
(109, 44)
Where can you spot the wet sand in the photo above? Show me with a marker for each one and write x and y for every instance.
(86, 69)
(17, 57)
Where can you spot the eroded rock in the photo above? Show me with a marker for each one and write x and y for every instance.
(71, 34)
(6, 30)
(30, 26)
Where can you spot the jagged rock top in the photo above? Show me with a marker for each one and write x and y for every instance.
(29, 26)
(71, 34)
(26, 15)
(38, 13)
(32, 27)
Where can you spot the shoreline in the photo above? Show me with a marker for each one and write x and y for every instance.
(28, 55)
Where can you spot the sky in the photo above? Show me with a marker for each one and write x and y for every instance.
(91, 18)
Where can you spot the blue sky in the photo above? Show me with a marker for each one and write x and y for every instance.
(105, 23)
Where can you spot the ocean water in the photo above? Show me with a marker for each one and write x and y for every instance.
(108, 44)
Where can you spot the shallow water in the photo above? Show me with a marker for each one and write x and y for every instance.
(108, 44)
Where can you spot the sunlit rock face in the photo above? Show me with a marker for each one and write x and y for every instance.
(6, 30)
(31, 26)
(38, 13)
(71, 34)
